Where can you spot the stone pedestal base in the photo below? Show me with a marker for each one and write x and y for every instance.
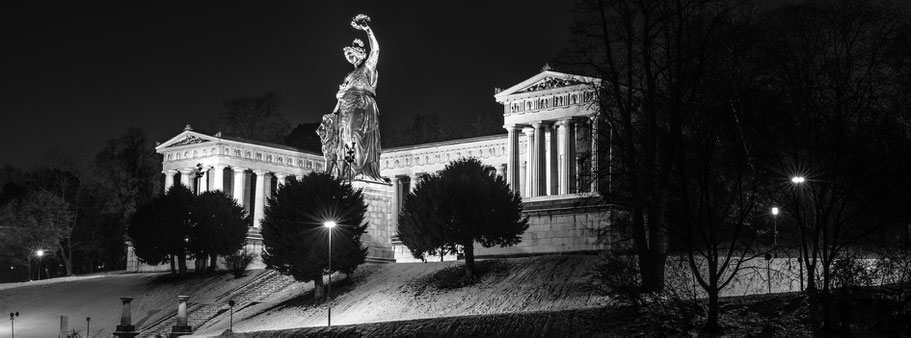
(181, 330)
(377, 239)
(126, 331)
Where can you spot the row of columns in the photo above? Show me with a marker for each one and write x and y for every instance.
(262, 190)
(550, 167)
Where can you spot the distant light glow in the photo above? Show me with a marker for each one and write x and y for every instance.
(775, 211)
(39, 253)
(329, 224)
(798, 179)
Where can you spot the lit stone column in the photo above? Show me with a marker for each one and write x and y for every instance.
(552, 160)
(181, 326)
(267, 191)
(512, 154)
(239, 183)
(169, 179)
(126, 321)
(260, 196)
(394, 212)
(540, 162)
(204, 180)
(187, 178)
(218, 177)
(281, 179)
(568, 166)
(415, 179)
(501, 170)
(523, 178)
(531, 179)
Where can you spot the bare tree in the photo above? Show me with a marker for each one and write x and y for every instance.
(259, 117)
(845, 141)
(652, 58)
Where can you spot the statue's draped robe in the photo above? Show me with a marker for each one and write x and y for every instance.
(358, 121)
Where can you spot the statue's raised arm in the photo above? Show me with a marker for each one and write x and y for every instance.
(362, 22)
(351, 134)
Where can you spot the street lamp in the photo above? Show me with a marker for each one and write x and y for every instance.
(330, 225)
(798, 180)
(12, 323)
(39, 253)
(775, 212)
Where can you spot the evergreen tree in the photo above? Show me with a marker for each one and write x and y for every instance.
(161, 228)
(463, 204)
(295, 240)
(219, 227)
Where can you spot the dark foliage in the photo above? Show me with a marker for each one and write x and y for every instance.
(294, 238)
(259, 117)
(161, 228)
(463, 204)
(237, 262)
(219, 225)
(304, 137)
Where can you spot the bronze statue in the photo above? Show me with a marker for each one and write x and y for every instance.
(351, 133)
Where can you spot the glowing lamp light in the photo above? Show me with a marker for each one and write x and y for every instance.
(329, 224)
(798, 179)
(39, 253)
(775, 211)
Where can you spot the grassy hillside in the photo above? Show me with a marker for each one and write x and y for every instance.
(267, 301)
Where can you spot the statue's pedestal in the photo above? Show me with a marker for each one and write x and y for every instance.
(378, 197)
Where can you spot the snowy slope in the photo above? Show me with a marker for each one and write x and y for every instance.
(266, 301)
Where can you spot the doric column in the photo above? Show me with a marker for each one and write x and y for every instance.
(512, 154)
(501, 170)
(204, 180)
(259, 200)
(531, 180)
(187, 178)
(540, 160)
(523, 178)
(169, 179)
(281, 179)
(396, 186)
(238, 186)
(568, 146)
(414, 179)
(218, 177)
(552, 161)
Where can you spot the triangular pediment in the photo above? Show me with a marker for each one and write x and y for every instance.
(545, 80)
(187, 137)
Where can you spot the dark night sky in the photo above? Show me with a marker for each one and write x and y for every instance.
(78, 73)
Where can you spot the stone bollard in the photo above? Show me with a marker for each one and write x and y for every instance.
(126, 328)
(182, 328)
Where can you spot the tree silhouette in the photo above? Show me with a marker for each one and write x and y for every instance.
(294, 238)
(220, 227)
(463, 204)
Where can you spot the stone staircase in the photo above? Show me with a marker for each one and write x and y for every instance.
(200, 314)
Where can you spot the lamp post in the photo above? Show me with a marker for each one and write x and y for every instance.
(231, 318)
(798, 180)
(87, 321)
(330, 225)
(12, 323)
(775, 212)
(40, 254)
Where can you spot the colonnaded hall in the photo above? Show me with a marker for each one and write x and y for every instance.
(549, 154)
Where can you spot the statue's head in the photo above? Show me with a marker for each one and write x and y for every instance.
(355, 54)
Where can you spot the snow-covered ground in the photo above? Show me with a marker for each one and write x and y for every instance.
(267, 301)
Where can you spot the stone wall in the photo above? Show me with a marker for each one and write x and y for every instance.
(377, 239)
(555, 227)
